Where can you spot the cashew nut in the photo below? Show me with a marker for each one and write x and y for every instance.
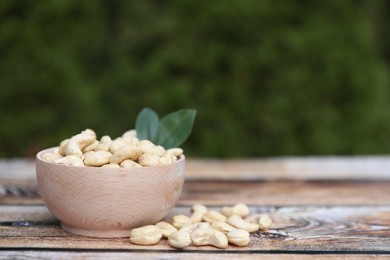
(179, 239)
(126, 152)
(212, 216)
(131, 137)
(129, 134)
(198, 210)
(70, 160)
(146, 235)
(175, 152)
(222, 226)
(238, 222)
(116, 144)
(102, 147)
(167, 159)
(163, 161)
(129, 164)
(89, 132)
(106, 139)
(166, 228)
(263, 220)
(131, 140)
(238, 237)
(90, 147)
(78, 142)
(97, 158)
(148, 159)
(51, 157)
(208, 236)
(180, 221)
(61, 149)
(239, 209)
(146, 146)
(85, 155)
(197, 225)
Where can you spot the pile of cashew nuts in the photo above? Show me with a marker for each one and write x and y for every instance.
(126, 151)
(232, 225)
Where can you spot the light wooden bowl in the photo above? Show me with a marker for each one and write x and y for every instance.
(108, 202)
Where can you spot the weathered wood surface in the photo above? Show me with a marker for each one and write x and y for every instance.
(313, 228)
(344, 218)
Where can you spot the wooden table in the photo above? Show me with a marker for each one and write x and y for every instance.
(321, 206)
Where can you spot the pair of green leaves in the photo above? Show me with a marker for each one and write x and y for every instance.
(171, 131)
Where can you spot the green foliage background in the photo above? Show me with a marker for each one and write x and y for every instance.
(267, 77)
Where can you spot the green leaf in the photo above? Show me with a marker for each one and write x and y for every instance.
(146, 125)
(175, 128)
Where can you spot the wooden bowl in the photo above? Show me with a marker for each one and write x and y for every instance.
(108, 202)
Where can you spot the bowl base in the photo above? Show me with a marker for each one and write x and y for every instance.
(95, 233)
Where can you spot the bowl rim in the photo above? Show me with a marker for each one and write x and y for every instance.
(39, 158)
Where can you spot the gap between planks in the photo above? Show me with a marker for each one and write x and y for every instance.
(46, 255)
(282, 168)
(252, 192)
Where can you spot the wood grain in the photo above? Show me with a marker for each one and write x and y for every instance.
(286, 192)
(296, 229)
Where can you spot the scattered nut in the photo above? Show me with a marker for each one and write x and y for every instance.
(263, 220)
(238, 237)
(166, 228)
(198, 212)
(238, 222)
(212, 216)
(239, 209)
(222, 226)
(146, 235)
(179, 239)
(183, 232)
(191, 227)
(208, 236)
(180, 221)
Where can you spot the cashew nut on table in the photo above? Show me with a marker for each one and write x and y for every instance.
(205, 227)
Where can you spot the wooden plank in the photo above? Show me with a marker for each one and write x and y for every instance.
(286, 192)
(315, 229)
(129, 255)
(281, 168)
(256, 192)
(292, 168)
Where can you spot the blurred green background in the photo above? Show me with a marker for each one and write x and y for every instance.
(268, 78)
